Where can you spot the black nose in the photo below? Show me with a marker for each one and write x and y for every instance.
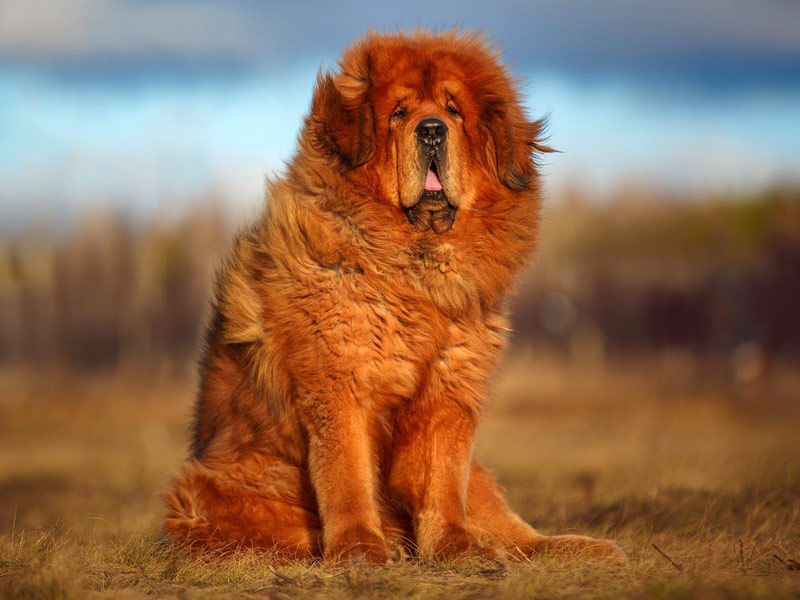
(431, 132)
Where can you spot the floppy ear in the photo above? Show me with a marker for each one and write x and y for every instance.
(341, 120)
(515, 140)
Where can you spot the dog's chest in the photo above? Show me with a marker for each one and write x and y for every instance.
(394, 341)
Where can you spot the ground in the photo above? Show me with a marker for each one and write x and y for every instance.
(695, 476)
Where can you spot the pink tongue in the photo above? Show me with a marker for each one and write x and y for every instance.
(432, 182)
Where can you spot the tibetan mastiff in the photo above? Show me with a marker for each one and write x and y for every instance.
(357, 322)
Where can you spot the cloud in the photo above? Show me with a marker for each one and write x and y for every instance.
(722, 42)
(83, 29)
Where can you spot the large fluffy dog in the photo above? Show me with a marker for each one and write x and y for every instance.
(358, 321)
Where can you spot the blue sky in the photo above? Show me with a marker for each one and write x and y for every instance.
(147, 106)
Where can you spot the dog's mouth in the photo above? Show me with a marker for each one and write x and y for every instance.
(432, 210)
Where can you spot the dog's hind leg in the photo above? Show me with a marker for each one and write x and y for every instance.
(226, 507)
(491, 520)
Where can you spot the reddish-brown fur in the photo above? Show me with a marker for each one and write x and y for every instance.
(347, 360)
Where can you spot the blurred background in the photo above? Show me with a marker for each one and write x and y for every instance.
(136, 135)
(652, 391)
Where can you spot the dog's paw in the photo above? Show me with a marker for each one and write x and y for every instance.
(358, 545)
(456, 543)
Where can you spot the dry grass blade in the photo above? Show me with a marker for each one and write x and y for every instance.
(790, 563)
(280, 576)
(665, 555)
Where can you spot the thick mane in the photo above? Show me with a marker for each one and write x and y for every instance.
(338, 204)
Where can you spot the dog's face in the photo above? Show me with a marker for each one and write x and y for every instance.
(424, 144)
(434, 118)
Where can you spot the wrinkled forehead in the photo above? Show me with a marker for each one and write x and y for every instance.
(419, 75)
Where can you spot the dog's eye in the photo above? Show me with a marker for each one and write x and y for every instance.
(453, 110)
(398, 114)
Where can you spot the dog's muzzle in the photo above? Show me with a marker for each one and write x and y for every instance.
(433, 211)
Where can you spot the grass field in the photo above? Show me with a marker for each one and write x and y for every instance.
(698, 480)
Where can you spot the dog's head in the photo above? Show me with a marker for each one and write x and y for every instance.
(435, 118)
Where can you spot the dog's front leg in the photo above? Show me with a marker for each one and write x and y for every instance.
(430, 469)
(342, 471)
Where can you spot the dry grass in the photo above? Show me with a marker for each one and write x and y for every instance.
(707, 473)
